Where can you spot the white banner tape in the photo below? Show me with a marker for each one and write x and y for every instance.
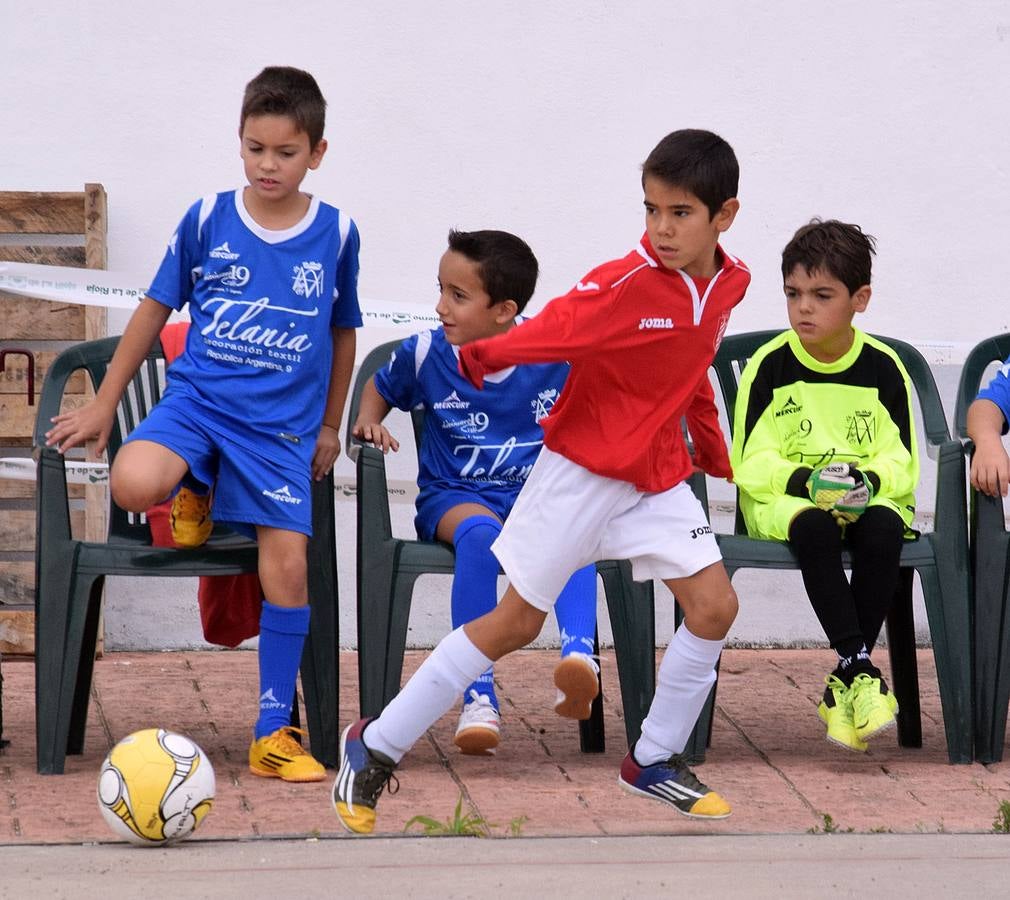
(19, 468)
(120, 290)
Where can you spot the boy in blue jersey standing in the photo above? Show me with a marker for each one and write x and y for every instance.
(253, 405)
(476, 451)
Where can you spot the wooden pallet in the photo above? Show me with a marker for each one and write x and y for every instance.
(52, 228)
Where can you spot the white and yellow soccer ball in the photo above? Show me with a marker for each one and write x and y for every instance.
(155, 787)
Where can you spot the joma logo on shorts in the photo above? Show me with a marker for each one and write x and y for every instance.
(698, 532)
(654, 323)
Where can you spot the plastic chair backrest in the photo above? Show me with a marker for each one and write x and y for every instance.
(737, 349)
(375, 360)
(142, 393)
(994, 349)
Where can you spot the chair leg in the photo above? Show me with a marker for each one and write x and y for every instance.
(700, 738)
(992, 644)
(85, 671)
(53, 598)
(592, 734)
(61, 612)
(632, 619)
(396, 637)
(320, 658)
(904, 665)
(949, 608)
(375, 603)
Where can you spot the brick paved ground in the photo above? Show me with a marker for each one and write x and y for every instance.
(768, 757)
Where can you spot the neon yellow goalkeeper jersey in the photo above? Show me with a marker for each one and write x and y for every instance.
(794, 412)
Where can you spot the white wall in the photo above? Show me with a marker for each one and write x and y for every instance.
(534, 117)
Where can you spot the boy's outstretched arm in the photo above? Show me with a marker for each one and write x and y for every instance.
(368, 426)
(328, 442)
(94, 419)
(990, 466)
(710, 453)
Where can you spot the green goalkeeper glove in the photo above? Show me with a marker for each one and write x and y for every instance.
(829, 484)
(854, 502)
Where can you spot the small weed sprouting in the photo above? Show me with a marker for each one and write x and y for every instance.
(516, 826)
(1001, 824)
(457, 825)
(830, 826)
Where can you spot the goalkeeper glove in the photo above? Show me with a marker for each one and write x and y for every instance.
(854, 502)
(829, 484)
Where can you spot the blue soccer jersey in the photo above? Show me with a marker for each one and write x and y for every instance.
(998, 391)
(258, 352)
(484, 441)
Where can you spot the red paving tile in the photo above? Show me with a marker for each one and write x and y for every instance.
(768, 757)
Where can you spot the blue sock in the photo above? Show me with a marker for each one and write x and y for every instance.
(475, 584)
(576, 612)
(282, 636)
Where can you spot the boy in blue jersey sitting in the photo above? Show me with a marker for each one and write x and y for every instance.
(253, 405)
(987, 421)
(476, 451)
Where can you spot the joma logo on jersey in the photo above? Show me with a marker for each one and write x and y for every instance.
(308, 279)
(223, 252)
(698, 532)
(544, 403)
(788, 408)
(654, 323)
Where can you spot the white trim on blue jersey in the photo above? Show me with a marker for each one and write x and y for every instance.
(998, 391)
(262, 304)
(475, 440)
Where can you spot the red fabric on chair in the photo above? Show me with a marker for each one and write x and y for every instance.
(229, 604)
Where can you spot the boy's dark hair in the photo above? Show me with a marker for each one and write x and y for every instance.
(836, 248)
(697, 161)
(506, 264)
(285, 91)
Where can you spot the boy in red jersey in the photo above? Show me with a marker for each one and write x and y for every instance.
(640, 333)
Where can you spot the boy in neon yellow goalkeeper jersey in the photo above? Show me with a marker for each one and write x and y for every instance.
(824, 454)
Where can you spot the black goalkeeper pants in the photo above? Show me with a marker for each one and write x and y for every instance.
(850, 612)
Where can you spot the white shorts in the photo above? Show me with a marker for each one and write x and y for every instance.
(567, 517)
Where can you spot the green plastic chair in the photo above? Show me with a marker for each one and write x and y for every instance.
(389, 566)
(940, 557)
(990, 564)
(70, 574)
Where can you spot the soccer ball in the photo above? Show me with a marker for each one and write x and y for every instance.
(155, 787)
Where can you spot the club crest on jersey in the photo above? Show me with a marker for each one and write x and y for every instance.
(654, 323)
(721, 331)
(308, 279)
(544, 403)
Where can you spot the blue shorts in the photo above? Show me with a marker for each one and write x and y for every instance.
(249, 489)
(433, 504)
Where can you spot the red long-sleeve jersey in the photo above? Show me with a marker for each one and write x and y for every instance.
(640, 339)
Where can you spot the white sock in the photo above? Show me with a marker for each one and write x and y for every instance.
(685, 676)
(431, 692)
